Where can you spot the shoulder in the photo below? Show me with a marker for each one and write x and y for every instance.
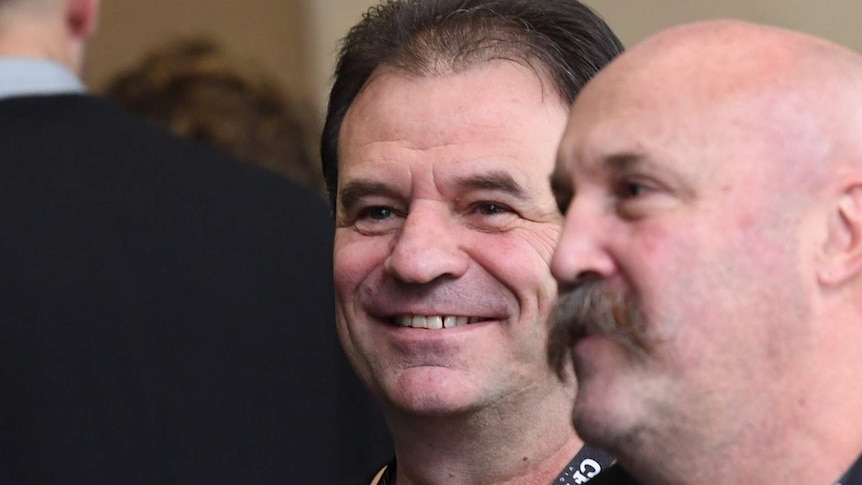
(98, 140)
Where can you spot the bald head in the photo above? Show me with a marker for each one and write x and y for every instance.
(55, 30)
(714, 64)
(795, 98)
(752, 47)
(711, 179)
(14, 13)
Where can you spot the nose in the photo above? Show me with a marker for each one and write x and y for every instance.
(582, 248)
(428, 246)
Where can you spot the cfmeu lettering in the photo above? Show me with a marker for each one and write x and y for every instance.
(587, 470)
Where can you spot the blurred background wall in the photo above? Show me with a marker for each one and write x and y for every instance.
(296, 39)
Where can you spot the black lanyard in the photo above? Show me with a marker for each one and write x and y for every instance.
(586, 464)
(853, 475)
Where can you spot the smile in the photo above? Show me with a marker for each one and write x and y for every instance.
(434, 322)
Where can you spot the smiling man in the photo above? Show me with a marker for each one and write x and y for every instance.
(711, 259)
(440, 137)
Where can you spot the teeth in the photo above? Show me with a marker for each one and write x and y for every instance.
(434, 322)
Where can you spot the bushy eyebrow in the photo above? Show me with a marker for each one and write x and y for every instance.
(495, 181)
(355, 190)
(501, 181)
(561, 183)
(617, 162)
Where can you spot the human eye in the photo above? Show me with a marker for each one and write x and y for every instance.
(638, 196)
(486, 208)
(377, 219)
(376, 213)
(563, 199)
(489, 215)
(563, 192)
(632, 188)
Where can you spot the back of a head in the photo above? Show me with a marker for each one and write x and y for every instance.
(201, 93)
(6, 3)
(55, 30)
(7, 6)
(562, 39)
(18, 15)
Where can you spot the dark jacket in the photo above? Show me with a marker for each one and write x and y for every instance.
(166, 313)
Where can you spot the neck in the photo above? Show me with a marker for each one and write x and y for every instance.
(510, 444)
(41, 40)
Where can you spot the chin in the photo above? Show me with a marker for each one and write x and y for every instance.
(440, 401)
(429, 405)
(602, 423)
(420, 396)
(590, 424)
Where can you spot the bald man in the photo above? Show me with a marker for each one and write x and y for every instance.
(711, 259)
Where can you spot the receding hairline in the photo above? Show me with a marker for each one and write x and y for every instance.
(442, 68)
(439, 52)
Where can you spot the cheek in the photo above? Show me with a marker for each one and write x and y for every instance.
(654, 244)
(710, 295)
(520, 261)
(672, 276)
(355, 258)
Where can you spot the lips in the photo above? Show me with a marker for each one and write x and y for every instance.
(435, 322)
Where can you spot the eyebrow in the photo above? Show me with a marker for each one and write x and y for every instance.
(621, 162)
(355, 190)
(496, 180)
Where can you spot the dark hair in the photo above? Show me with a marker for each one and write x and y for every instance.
(563, 39)
(200, 92)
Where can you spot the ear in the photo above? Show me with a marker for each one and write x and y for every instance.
(82, 17)
(843, 249)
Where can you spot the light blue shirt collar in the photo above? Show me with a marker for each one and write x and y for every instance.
(20, 76)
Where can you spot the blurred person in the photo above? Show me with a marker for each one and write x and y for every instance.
(165, 311)
(440, 136)
(710, 265)
(200, 92)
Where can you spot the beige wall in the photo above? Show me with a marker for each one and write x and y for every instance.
(296, 39)
(335, 17)
(270, 32)
(833, 19)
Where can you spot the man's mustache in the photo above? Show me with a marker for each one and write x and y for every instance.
(592, 307)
